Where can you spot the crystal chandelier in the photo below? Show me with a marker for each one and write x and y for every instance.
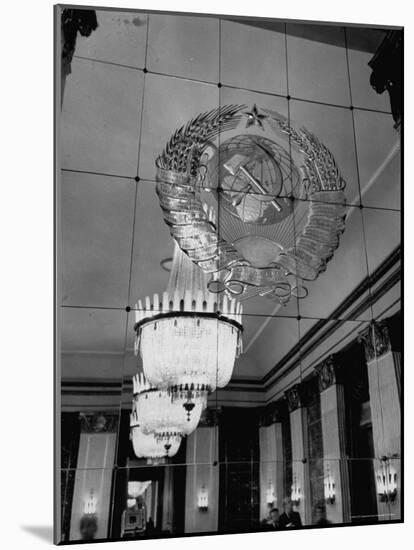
(147, 445)
(137, 488)
(188, 338)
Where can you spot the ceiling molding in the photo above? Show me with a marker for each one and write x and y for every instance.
(337, 318)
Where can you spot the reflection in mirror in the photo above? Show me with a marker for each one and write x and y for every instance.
(229, 340)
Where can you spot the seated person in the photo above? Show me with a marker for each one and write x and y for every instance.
(274, 518)
(272, 521)
(289, 518)
(320, 514)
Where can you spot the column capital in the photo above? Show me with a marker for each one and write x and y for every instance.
(271, 414)
(209, 417)
(293, 397)
(376, 340)
(329, 373)
(100, 422)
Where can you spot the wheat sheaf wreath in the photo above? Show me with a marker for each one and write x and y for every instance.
(194, 229)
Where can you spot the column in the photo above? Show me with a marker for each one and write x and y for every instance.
(202, 476)
(384, 390)
(271, 462)
(333, 436)
(93, 478)
(300, 473)
(167, 499)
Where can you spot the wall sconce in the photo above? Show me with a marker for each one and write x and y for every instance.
(270, 496)
(89, 505)
(386, 481)
(295, 493)
(329, 487)
(202, 501)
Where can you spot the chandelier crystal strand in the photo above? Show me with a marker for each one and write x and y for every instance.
(189, 337)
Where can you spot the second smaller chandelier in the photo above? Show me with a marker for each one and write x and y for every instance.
(147, 445)
(162, 416)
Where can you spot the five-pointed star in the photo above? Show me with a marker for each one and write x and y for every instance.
(254, 117)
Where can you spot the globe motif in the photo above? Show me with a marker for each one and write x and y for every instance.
(255, 176)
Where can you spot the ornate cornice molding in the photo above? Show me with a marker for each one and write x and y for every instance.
(329, 373)
(100, 422)
(387, 70)
(347, 310)
(376, 340)
(72, 22)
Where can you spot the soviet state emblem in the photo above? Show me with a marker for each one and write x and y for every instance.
(252, 200)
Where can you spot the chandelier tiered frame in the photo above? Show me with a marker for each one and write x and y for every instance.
(188, 337)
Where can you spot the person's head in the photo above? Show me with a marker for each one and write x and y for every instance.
(319, 510)
(88, 527)
(287, 505)
(274, 515)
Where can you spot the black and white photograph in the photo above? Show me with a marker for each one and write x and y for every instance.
(229, 279)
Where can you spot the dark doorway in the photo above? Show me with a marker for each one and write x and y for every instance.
(239, 470)
(359, 441)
